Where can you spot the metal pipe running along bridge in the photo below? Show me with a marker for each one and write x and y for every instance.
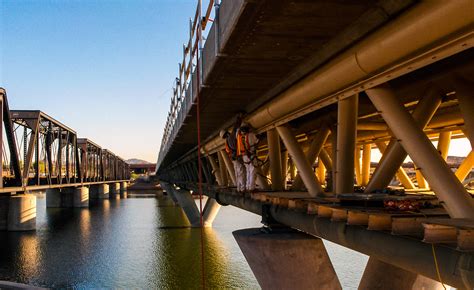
(326, 83)
(40, 153)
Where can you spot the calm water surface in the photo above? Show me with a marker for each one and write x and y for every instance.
(138, 243)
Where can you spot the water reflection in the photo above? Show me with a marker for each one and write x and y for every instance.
(124, 243)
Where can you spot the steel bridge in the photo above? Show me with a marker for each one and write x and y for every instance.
(40, 153)
(325, 83)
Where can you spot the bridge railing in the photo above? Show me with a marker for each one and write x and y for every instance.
(38, 150)
(186, 83)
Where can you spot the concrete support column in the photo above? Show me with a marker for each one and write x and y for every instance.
(450, 191)
(304, 168)
(443, 144)
(103, 191)
(123, 189)
(123, 186)
(4, 203)
(313, 152)
(53, 197)
(401, 174)
(210, 211)
(366, 158)
(114, 188)
(395, 154)
(287, 260)
(22, 213)
(382, 276)
(186, 202)
(229, 166)
(347, 111)
(80, 197)
(274, 156)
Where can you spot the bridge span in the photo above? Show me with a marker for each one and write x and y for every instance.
(40, 153)
(325, 83)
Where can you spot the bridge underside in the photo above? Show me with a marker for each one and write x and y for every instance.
(264, 47)
(399, 83)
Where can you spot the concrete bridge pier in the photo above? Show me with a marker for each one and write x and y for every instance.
(287, 259)
(18, 212)
(123, 189)
(114, 189)
(67, 197)
(379, 275)
(80, 197)
(186, 202)
(99, 191)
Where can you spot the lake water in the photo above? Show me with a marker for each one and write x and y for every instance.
(139, 243)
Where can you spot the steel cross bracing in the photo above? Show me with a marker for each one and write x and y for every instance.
(38, 152)
(397, 90)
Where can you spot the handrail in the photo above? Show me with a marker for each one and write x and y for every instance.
(192, 56)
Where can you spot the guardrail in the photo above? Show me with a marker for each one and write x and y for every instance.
(186, 83)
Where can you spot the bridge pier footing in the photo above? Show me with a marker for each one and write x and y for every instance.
(276, 259)
(67, 197)
(379, 275)
(18, 213)
(186, 202)
(80, 197)
(114, 189)
(123, 189)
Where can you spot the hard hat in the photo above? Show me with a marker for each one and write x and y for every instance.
(244, 125)
(222, 133)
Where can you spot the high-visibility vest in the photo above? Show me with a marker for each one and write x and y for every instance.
(241, 146)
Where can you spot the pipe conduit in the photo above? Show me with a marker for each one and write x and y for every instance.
(406, 36)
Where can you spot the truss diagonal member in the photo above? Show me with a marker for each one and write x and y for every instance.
(274, 155)
(31, 149)
(465, 167)
(313, 152)
(229, 166)
(457, 201)
(215, 170)
(395, 154)
(326, 159)
(12, 144)
(401, 174)
(302, 164)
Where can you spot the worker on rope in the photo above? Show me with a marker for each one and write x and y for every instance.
(247, 142)
(234, 154)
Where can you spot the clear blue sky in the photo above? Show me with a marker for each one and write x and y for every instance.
(104, 68)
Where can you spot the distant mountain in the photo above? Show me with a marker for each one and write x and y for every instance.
(137, 161)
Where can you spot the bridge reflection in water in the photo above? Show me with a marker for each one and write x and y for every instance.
(134, 242)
